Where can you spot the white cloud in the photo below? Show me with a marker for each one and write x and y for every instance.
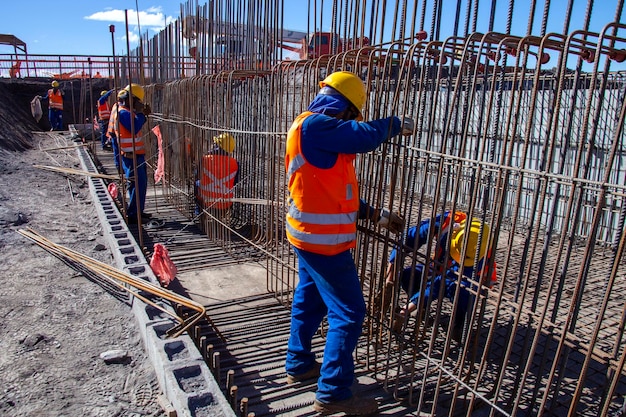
(133, 37)
(152, 17)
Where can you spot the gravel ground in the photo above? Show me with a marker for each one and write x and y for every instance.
(56, 322)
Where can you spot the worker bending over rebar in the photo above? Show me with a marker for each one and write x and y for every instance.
(444, 267)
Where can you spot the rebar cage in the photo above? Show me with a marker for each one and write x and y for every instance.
(525, 133)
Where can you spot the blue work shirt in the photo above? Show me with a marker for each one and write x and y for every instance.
(124, 119)
(104, 97)
(324, 136)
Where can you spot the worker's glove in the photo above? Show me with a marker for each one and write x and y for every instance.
(392, 221)
(408, 126)
(147, 110)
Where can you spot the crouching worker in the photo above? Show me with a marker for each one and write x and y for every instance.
(131, 146)
(219, 175)
(444, 276)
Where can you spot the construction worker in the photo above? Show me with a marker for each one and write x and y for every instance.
(15, 69)
(463, 229)
(55, 106)
(111, 138)
(132, 147)
(323, 208)
(220, 173)
(104, 114)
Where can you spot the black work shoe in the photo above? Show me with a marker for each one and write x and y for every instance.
(354, 405)
(311, 374)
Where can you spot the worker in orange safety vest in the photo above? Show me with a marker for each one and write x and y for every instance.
(104, 114)
(321, 225)
(219, 174)
(110, 133)
(132, 148)
(55, 106)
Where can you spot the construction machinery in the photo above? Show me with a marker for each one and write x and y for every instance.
(234, 41)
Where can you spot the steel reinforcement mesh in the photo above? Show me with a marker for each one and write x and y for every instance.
(509, 129)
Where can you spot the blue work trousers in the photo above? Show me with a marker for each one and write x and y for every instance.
(116, 152)
(433, 286)
(141, 185)
(56, 119)
(328, 285)
(104, 125)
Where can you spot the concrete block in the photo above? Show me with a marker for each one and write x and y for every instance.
(184, 377)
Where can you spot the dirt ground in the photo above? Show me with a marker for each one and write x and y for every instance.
(56, 323)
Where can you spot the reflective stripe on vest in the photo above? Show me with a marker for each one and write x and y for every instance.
(217, 180)
(55, 100)
(323, 203)
(341, 218)
(112, 122)
(104, 111)
(125, 139)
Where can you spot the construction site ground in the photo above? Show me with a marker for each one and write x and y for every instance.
(55, 322)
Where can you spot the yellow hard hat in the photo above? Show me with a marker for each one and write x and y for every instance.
(135, 89)
(350, 86)
(103, 92)
(55, 83)
(226, 141)
(473, 229)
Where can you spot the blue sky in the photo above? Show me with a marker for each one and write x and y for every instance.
(82, 27)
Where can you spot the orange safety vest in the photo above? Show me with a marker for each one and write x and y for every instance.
(55, 100)
(323, 203)
(104, 111)
(217, 181)
(112, 122)
(125, 138)
(439, 254)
